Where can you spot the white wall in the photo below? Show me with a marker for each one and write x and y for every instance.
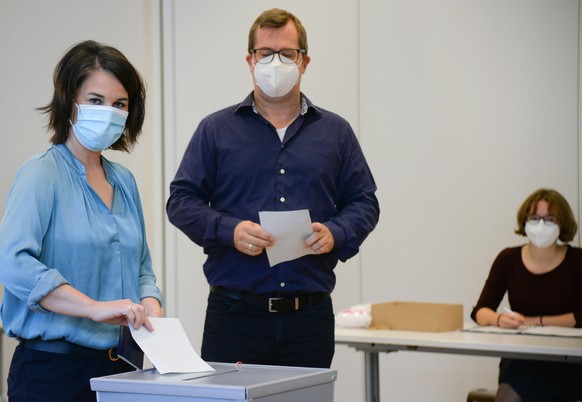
(466, 108)
(462, 108)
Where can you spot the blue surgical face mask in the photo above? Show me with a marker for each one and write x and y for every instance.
(98, 127)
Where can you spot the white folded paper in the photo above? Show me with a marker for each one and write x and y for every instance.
(168, 347)
(290, 229)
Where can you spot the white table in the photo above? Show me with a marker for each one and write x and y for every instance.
(373, 341)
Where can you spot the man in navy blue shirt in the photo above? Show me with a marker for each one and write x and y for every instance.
(274, 151)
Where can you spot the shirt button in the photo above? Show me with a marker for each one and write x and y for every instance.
(282, 284)
(282, 171)
(282, 199)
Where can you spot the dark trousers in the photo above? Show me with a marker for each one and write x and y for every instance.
(541, 381)
(37, 376)
(235, 331)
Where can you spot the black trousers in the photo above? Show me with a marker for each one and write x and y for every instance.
(235, 331)
(542, 381)
(37, 376)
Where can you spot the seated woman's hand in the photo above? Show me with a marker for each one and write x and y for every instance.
(511, 320)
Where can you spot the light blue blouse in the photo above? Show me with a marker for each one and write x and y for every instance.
(56, 230)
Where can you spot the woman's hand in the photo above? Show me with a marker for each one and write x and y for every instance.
(120, 312)
(510, 320)
(69, 301)
(152, 307)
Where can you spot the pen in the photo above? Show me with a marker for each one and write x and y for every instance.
(508, 310)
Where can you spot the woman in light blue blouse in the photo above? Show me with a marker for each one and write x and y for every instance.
(74, 260)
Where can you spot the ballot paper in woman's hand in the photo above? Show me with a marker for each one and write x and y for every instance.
(168, 347)
(290, 229)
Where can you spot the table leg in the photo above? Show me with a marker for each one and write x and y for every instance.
(372, 377)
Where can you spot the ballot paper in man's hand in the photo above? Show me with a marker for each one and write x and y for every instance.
(168, 347)
(290, 229)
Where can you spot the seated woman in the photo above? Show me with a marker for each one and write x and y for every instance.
(543, 281)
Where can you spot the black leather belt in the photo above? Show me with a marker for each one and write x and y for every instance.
(66, 348)
(273, 304)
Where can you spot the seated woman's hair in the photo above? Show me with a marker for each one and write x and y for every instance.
(558, 207)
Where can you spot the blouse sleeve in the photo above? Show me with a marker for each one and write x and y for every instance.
(28, 208)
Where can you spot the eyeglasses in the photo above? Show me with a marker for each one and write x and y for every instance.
(287, 56)
(548, 219)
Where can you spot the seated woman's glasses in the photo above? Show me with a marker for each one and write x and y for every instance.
(548, 219)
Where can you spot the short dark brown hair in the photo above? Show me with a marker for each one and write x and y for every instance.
(277, 18)
(557, 207)
(73, 69)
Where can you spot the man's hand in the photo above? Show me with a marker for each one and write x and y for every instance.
(321, 240)
(250, 239)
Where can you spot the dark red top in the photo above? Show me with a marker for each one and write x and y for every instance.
(556, 292)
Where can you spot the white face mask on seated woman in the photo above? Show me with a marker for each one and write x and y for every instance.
(541, 233)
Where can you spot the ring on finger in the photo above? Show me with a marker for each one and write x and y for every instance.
(250, 247)
(130, 306)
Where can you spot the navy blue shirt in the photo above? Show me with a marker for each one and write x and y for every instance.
(235, 166)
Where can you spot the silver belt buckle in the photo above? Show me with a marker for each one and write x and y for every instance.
(271, 299)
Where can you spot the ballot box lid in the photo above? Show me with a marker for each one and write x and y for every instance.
(228, 381)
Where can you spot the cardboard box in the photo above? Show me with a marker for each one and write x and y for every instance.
(411, 316)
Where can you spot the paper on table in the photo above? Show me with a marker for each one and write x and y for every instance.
(168, 347)
(290, 229)
(554, 331)
(529, 330)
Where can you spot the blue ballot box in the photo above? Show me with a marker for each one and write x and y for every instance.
(229, 383)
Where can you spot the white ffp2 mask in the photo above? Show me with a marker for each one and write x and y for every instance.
(541, 234)
(276, 79)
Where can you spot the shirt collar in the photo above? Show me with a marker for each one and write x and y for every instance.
(70, 158)
(76, 163)
(249, 102)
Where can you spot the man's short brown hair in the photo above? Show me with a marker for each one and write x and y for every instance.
(277, 18)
